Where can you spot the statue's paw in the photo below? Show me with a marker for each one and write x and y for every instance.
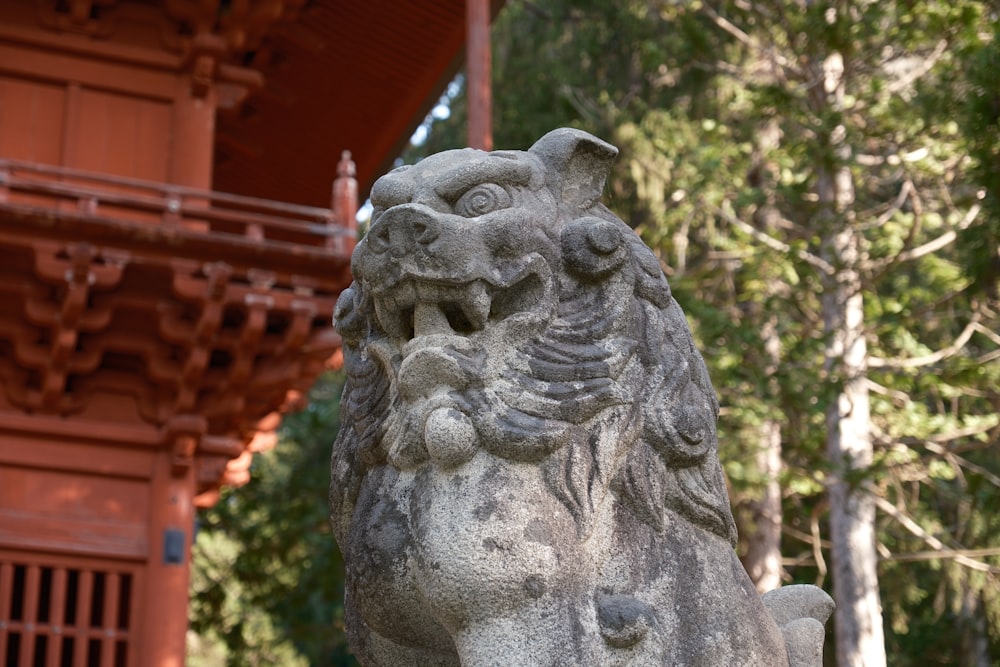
(790, 603)
(804, 642)
(800, 612)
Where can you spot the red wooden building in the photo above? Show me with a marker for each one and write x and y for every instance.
(152, 329)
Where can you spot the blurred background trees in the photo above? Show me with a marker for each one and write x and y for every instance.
(821, 182)
(267, 578)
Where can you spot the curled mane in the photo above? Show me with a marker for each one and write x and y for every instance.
(540, 408)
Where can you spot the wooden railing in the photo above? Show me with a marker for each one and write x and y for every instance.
(95, 195)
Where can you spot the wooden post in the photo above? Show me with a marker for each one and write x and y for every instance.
(164, 619)
(162, 625)
(478, 61)
(345, 204)
(194, 131)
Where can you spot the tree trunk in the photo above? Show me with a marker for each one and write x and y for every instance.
(975, 644)
(858, 618)
(763, 555)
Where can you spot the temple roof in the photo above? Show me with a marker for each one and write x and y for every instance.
(356, 76)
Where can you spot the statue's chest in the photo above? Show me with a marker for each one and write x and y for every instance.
(443, 541)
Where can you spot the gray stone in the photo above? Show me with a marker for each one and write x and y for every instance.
(527, 468)
(801, 612)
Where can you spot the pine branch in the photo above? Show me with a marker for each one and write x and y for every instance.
(904, 193)
(961, 433)
(947, 553)
(988, 357)
(805, 559)
(934, 543)
(899, 398)
(807, 538)
(965, 463)
(816, 548)
(775, 244)
(729, 27)
(929, 247)
(989, 333)
(949, 436)
(934, 357)
(905, 81)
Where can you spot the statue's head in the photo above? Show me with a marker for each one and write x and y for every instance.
(499, 306)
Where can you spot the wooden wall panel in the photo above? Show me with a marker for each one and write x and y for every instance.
(71, 510)
(83, 458)
(31, 120)
(121, 135)
(73, 496)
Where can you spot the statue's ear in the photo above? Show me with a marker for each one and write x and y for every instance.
(577, 164)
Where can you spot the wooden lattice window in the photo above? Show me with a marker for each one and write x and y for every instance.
(66, 614)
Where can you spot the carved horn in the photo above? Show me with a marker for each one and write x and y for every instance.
(579, 160)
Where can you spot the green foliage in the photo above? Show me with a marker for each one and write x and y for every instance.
(267, 578)
(980, 249)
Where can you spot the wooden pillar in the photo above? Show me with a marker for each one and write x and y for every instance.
(193, 135)
(163, 629)
(478, 60)
(345, 204)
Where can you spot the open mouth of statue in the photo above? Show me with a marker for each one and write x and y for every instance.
(417, 307)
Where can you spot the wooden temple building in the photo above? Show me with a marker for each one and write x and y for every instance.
(176, 219)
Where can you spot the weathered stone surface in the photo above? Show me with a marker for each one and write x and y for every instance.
(801, 612)
(527, 469)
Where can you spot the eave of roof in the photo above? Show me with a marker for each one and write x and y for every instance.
(357, 76)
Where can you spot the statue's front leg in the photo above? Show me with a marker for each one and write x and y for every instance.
(499, 562)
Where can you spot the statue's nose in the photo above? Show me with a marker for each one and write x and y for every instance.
(402, 227)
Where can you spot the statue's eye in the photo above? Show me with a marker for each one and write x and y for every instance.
(482, 199)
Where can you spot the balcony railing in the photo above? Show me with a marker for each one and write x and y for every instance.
(70, 204)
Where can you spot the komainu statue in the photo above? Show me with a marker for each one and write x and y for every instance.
(527, 469)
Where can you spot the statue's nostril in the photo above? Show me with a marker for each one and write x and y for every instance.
(402, 228)
(425, 231)
(378, 239)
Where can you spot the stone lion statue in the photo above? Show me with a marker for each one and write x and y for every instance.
(526, 472)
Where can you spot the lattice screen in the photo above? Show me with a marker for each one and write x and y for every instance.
(61, 615)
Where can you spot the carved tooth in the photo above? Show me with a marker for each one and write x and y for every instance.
(391, 319)
(428, 292)
(476, 304)
(428, 318)
(405, 295)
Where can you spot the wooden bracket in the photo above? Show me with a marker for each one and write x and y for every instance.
(184, 434)
(212, 299)
(79, 270)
